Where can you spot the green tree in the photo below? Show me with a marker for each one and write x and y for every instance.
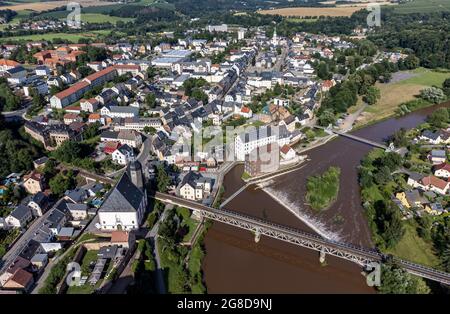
(433, 94)
(327, 117)
(439, 117)
(372, 95)
(162, 179)
(395, 280)
(62, 182)
(150, 100)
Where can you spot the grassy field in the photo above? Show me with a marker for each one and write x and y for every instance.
(102, 18)
(423, 6)
(413, 248)
(393, 94)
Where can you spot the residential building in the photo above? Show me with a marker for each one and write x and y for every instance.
(34, 182)
(19, 217)
(123, 155)
(257, 137)
(195, 187)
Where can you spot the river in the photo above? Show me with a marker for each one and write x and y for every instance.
(234, 263)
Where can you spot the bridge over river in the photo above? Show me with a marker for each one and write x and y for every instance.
(258, 227)
(353, 137)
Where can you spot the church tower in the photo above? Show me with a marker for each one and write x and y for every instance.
(136, 175)
(275, 38)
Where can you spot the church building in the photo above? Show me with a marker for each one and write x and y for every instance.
(125, 205)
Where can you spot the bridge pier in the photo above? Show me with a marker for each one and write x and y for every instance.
(322, 257)
(197, 215)
(257, 236)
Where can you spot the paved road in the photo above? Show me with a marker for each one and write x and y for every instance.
(18, 114)
(21, 243)
(142, 157)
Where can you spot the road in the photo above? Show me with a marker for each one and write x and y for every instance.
(21, 243)
(153, 234)
(126, 277)
(18, 114)
(142, 157)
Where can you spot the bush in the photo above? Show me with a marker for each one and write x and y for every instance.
(323, 189)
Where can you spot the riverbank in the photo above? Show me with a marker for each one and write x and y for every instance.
(404, 87)
(235, 263)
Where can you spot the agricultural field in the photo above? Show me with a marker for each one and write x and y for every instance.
(48, 5)
(325, 11)
(403, 87)
(423, 6)
(337, 10)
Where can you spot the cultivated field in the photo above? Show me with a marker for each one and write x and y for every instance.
(338, 10)
(47, 5)
(423, 6)
(341, 11)
(404, 87)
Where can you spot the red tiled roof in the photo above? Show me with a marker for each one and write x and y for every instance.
(126, 66)
(434, 181)
(70, 116)
(245, 109)
(443, 166)
(8, 62)
(36, 176)
(285, 149)
(95, 116)
(99, 74)
(119, 236)
(72, 89)
(22, 277)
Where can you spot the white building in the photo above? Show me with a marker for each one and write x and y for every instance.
(125, 206)
(122, 155)
(253, 138)
(195, 187)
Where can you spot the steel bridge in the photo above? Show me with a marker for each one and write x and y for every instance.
(258, 227)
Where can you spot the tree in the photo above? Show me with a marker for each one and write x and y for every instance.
(388, 222)
(395, 280)
(150, 100)
(446, 87)
(323, 72)
(327, 117)
(149, 130)
(68, 151)
(162, 179)
(433, 94)
(439, 117)
(62, 182)
(372, 95)
(399, 138)
(92, 130)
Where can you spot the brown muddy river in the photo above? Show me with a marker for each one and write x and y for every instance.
(234, 263)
